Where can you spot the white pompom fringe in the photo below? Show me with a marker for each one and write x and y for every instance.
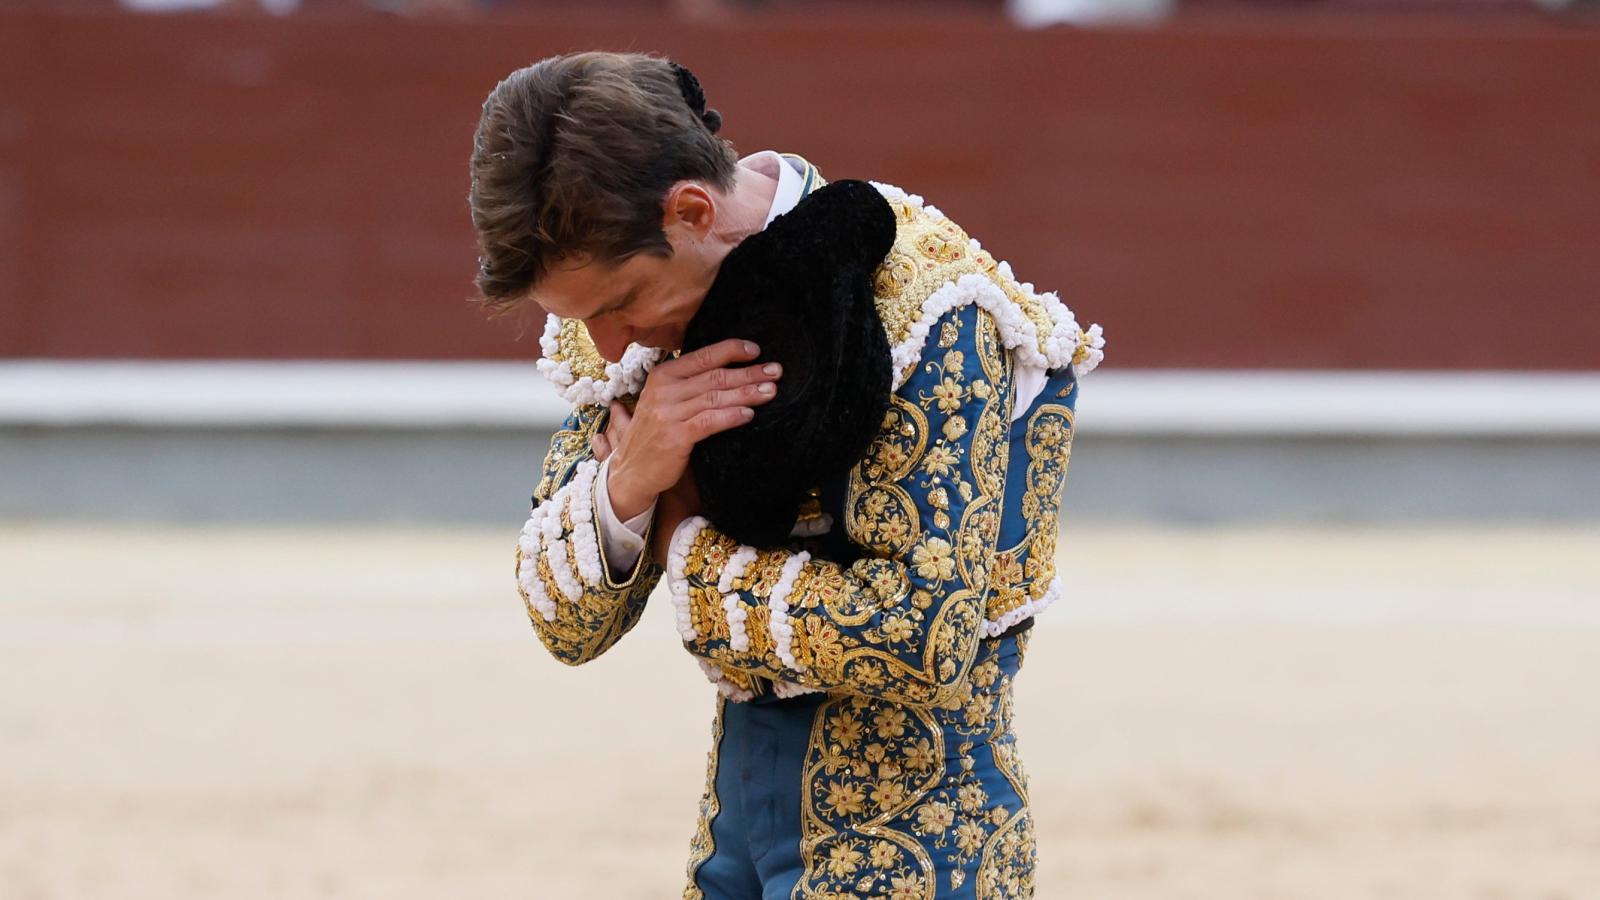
(779, 623)
(621, 378)
(677, 577)
(580, 509)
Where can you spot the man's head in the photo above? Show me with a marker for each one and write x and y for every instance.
(600, 194)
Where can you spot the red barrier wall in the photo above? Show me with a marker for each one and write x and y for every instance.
(1409, 193)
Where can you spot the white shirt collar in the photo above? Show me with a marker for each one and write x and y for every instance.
(790, 180)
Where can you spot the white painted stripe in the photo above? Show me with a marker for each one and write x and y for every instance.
(271, 394)
(513, 395)
(1378, 403)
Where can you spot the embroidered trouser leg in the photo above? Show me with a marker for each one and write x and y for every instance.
(825, 796)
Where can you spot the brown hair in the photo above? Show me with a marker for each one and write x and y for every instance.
(574, 154)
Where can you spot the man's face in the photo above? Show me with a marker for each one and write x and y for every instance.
(646, 299)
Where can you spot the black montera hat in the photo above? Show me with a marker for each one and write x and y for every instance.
(802, 289)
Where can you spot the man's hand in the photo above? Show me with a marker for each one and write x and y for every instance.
(684, 401)
(673, 505)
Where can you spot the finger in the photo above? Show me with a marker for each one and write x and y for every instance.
(731, 377)
(711, 421)
(620, 419)
(715, 356)
(748, 395)
(600, 446)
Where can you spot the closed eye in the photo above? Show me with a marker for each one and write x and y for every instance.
(623, 303)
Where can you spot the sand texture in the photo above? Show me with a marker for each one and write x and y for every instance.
(1211, 713)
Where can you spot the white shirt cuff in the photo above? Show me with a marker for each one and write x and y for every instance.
(624, 541)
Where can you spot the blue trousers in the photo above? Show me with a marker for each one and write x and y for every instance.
(836, 796)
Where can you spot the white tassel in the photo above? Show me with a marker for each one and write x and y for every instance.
(677, 577)
(779, 623)
(738, 638)
(580, 509)
(550, 514)
(561, 569)
(533, 586)
(737, 563)
(531, 542)
(787, 689)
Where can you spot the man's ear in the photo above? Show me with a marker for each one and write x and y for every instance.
(689, 206)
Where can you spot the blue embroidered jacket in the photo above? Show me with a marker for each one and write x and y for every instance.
(952, 512)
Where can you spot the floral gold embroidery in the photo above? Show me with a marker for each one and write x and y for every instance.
(894, 802)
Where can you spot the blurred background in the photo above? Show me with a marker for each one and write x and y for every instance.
(1332, 524)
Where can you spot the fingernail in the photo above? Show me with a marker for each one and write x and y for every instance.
(751, 348)
(765, 388)
(772, 368)
(747, 412)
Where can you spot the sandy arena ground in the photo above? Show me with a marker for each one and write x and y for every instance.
(1215, 713)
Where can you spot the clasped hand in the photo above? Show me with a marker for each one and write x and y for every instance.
(684, 401)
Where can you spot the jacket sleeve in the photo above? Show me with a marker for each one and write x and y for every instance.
(577, 606)
(903, 622)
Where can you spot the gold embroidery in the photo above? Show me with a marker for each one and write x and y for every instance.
(1006, 871)
(1002, 741)
(757, 627)
(991, 448)
(928, 252)
(1049, 445)
(947, 334)
(588, 625)
(867, 762)
(701, 846)
(1023, 572)
(1005, 583)
(883, 517)
(568, 447)
(578, 349)
(897, 272)
(706, 613)
(887, 805)
(761, 576)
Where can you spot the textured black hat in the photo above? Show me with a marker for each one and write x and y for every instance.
(802, 289)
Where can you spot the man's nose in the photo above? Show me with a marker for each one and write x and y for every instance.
(610, 340)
